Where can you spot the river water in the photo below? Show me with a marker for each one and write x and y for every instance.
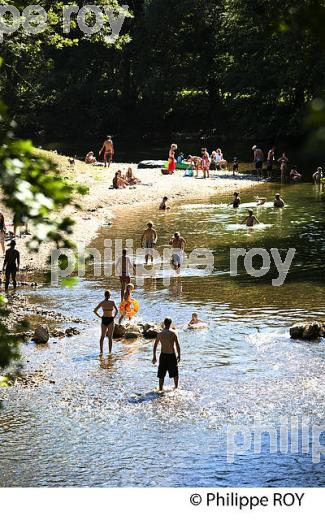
(103, 424)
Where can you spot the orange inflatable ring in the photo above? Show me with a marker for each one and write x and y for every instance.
(129, 308)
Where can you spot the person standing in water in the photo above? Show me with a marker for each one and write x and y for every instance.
(148, 241)
(108, 149)
(250, 220)
(163, 206)
(318, 175)
(258, 160)
(11, 265)
(236, 202)
(283, 166)
(110, 312)
(178, 243)
(270, 161)
(278, 201)
(170, 354)
(124, 269)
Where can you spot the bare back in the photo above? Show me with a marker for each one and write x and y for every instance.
(168, 340)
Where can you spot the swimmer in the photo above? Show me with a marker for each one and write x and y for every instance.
(110, 312)
(178, 244)
(195, 320)
(250, 220)
(278, 201)
(261, 200)
(163, 206)
(236, 202)
(295, 175)
(149, 240)
(168, 361)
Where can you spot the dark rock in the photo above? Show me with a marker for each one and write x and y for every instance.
(72, 331)
(307, 330)
(131, 335)
(119, 332)
(151, 333)
(41, 335)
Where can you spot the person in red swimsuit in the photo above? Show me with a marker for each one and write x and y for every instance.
(171, 159)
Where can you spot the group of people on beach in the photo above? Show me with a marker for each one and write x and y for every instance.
(205, 162)
(121, 181)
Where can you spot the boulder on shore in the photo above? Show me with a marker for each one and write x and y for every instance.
(307, 330)
(119, 332)
(41, 335)
(151, 333)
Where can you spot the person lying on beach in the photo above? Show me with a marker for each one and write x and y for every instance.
(278, 201)
(236, 202)
(261, 201)
(130, 179)
(110, 311)
(119, 182)
(148, 241)
(318, 175)
(295, 175)
(163, 206)
(250, 220)
(168, 361)
(90, 158)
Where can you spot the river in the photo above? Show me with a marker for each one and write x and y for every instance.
(102, 423)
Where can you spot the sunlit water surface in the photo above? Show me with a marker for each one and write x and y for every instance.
(103, 423)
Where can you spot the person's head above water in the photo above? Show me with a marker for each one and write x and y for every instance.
(277, 195)
(107, 295)
(124, 252)
(195, 315)
(165, 199)
(236, 194)
(168, 322)
(177, 234)
(319, 169)
(250, 212)
(13, 244)
(150, 225)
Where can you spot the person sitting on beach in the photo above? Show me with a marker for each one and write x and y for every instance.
(108, 149)
(178, 243)
(130, 179)
(236, 202)
(278, 201)
(295, 176)
(205, 163)
(119, 182)
(213, 161)
(148, 241)
(168, 361)
(260, 201)
(163, 206)
(90, 158)
(180, 158)
(110, 311)
(318, 175)
(250, 220)
(235, 166)
(221, 162)
(171, 159)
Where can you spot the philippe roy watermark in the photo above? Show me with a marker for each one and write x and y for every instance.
(294, 435)
(91, 19)
(164, 264)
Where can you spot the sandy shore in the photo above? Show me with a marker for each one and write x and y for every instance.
(98, 206)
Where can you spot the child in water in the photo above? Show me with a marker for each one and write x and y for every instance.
(261, 201)
(163, 206)
(195, 319)
(127, 297)
(236, 202)
(250, 220)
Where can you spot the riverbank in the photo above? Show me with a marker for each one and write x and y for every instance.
(97, 208)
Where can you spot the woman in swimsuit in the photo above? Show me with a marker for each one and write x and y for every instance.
(283, 165)
(110, 311)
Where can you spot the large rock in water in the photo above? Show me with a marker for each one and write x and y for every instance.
(119, 332)
(307, 330)
(41, 335)
(151, 333)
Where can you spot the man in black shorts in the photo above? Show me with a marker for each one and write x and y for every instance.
(11, 265)
(168, 361)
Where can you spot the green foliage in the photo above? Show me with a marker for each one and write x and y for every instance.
(9, 344)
